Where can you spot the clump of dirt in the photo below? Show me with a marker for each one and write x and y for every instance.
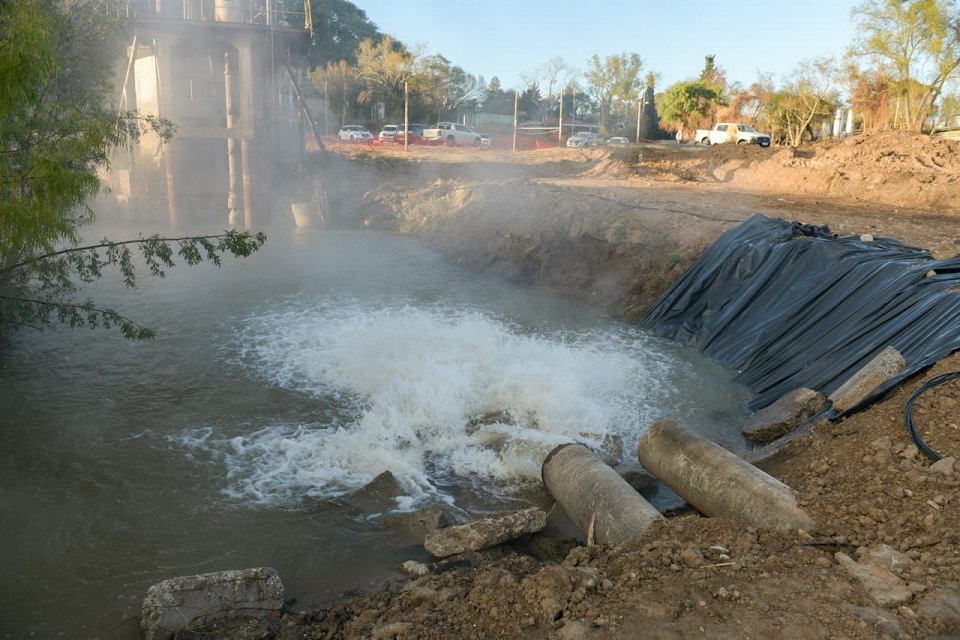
(617, 227)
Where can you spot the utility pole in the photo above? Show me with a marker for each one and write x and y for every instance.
(560, 123)
(406, 115)
(516, 111)
(639, 114)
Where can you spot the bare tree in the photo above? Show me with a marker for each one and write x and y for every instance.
(556, 76)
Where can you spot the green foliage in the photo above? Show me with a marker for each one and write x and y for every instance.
(712, 75)
(445, 88)
(614, 79)
(496, 100)
(687, 104)
(916, 43)
(41, 287)
(383, 67)
(337, 83)
(339, 27)
(810, 95)
(57, 127)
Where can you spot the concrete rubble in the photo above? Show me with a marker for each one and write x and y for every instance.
(783, 416)
(881, 368)
(485, 532)
(193, 602)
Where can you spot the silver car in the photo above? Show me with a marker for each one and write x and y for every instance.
(389, 133)
(584, 139)
(354, 133)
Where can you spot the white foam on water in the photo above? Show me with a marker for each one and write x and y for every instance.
(408, 381)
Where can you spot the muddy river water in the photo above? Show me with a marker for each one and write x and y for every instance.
(276, 386)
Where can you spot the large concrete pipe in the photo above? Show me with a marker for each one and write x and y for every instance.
(601, 503)
(716, 482)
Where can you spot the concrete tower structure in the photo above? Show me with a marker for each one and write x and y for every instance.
(226, 72)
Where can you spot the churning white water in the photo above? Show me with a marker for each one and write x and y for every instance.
(409, 382)
(278, 385)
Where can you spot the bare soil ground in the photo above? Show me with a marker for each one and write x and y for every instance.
(616, 226)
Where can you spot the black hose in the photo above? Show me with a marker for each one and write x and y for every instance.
(908, 412)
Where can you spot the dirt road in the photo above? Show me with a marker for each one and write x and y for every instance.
(616, 227)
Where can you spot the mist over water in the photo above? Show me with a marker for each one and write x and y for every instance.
(278, 385)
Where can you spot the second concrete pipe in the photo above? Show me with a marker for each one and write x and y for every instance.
(716, 482)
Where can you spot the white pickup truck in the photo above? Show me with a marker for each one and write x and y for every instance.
(452, 134)
(730, 131)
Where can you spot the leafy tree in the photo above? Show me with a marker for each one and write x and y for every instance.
(809, 95)
(445, 88)
(528, 104)
(56, 131)
(576, 101)
(687, 105)
(337, 83)
(748, 104)
(949, 112)
(649, 123)
(384, 67)
(712, 75)
(615, 78)
(339, 27)
(917, 43)
(870, 92)
(496, 100)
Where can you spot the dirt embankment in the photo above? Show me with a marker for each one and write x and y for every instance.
(617, 227)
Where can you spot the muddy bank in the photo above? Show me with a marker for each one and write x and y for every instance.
(617, 229)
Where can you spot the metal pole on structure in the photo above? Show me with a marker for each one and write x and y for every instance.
(560, 122)
(233, 160)
(406, 115)
(516, 110)
(639, 113)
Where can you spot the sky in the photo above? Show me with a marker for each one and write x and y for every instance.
(510, 38)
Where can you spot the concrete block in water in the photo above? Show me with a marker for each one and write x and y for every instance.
(605, 508)
(783, 416)
(884, 366)
(189, 602)
(716, 482)
(485, 532)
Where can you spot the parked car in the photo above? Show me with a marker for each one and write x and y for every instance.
(452, 134)
(388, 133)
(618, 140)
(732, 131)
(485, 140)
(354, 133)
(584, 139)
(416, 134)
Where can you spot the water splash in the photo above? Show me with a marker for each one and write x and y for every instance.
(433, 395)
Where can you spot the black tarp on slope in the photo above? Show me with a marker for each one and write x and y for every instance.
(791, 305)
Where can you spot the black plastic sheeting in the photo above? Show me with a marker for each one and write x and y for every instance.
(790, 305)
